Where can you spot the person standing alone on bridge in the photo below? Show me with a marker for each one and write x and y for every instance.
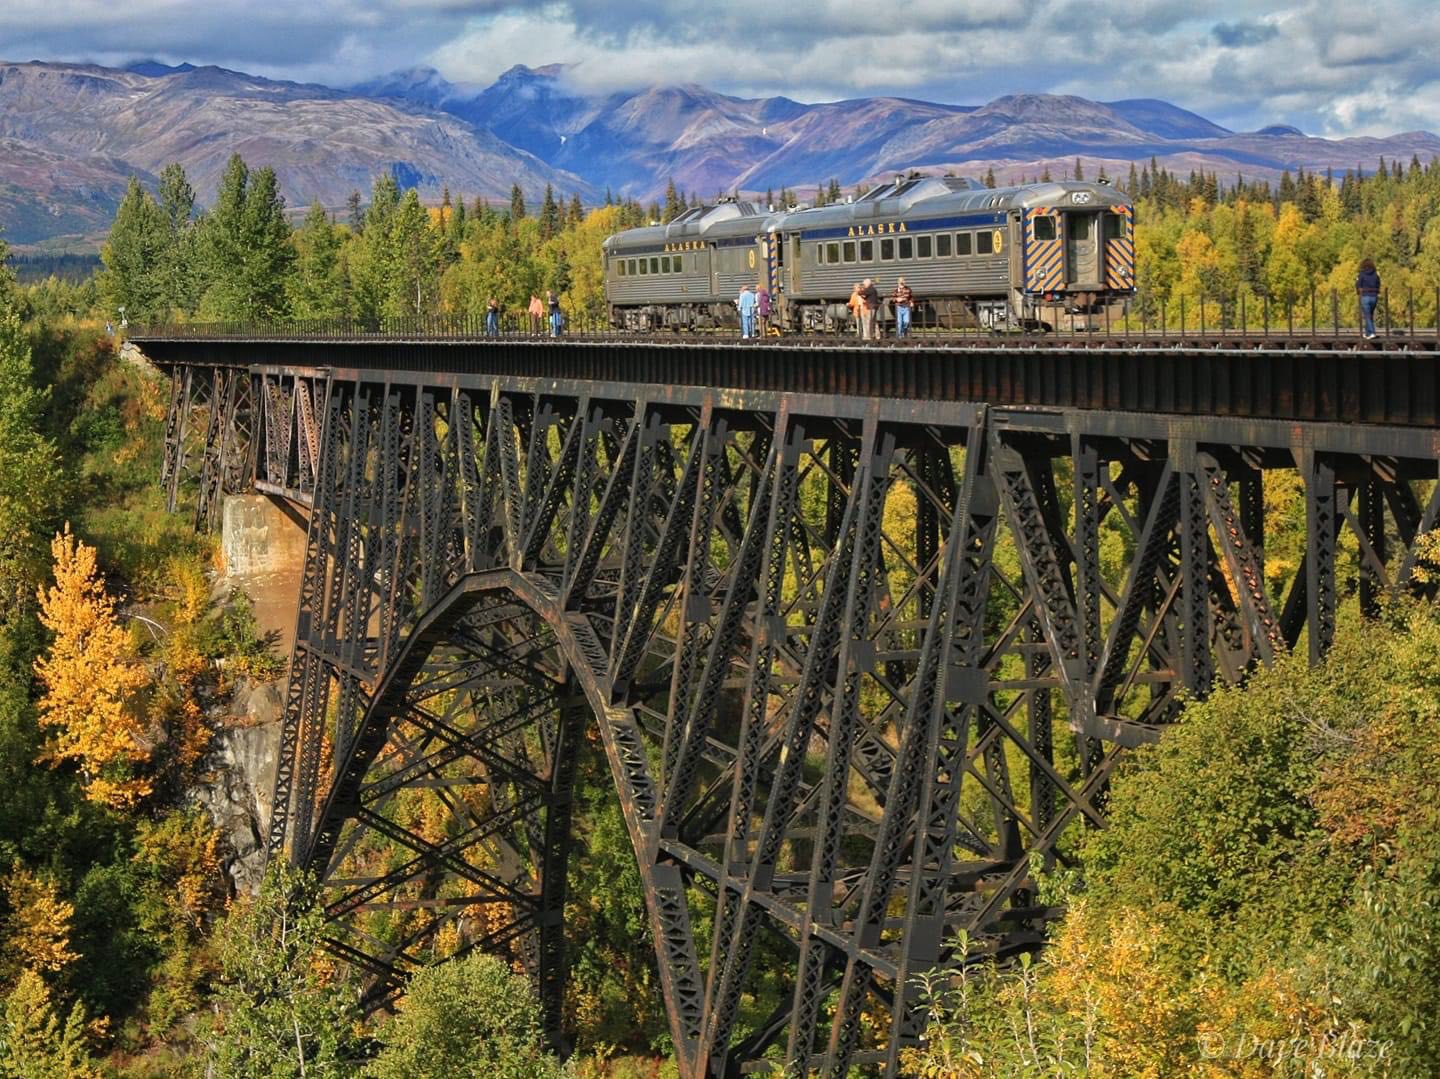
(902, 298)
(1367, 284)
(557, 320)
(492, 318)
(748, 304)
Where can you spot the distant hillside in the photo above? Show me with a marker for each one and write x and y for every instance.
(635, 142)
(71, 135)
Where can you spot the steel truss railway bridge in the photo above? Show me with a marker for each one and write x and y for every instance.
(861, 632)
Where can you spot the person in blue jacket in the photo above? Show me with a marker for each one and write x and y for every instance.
(748, 303)
(1367, 284)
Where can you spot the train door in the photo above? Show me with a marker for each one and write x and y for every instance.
(1082, 250)
(1119, 249)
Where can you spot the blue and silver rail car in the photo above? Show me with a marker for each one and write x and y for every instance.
(971, 254)
(685, 274)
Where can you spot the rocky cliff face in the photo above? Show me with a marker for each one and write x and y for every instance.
(242, 766)
(263, 550)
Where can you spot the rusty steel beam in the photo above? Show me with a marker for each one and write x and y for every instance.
(782, 616)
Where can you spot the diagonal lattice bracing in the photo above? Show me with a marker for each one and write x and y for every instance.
(856, 664)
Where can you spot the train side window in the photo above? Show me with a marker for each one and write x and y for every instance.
(962, 243)
(621, 270)
(832, 253)
(820, 254)
(654, 264)
(849, 250)
(664, 263)
(1045, 227)
(1112, 227)
(907, 247)
(867, 250)
(985, 243)
(942, 245)
(887, 249)
(644, 266)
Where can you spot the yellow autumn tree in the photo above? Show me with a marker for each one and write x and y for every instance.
(35, 1043)
(36, 932)
(92, 681)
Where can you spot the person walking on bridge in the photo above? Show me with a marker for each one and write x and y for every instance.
(903, 299)
(1367, 285)
(536, 311)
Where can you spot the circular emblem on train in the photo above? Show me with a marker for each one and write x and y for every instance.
(1080, 197)
(751, 253)
(999, 241)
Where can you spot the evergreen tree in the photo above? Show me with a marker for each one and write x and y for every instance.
(414, 261)
(245, 244)
(769, 197)
(456, 227)
(1079, 170)
(1308, 198)
(833, 193)
(133, 257)
(674, 201)
(1045, 176)
(371, 260)
(576, 213)
(990, 178)
(1132, 183)
(609, 196)
(1287, 188)
(317, 291)
(178, 279)
(354, 214)
(517, 203)
(31, 492)
(549, 214)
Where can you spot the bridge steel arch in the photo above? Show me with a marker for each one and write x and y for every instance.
(855, 662)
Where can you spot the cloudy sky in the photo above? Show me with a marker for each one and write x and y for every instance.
(1328, 68)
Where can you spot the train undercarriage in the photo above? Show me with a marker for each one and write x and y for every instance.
(1066, 311)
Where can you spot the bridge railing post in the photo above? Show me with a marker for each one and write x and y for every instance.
(1335, 310)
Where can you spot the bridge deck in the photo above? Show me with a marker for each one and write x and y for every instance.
(1395, 382)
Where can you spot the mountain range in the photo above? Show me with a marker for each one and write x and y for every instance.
(71, 136)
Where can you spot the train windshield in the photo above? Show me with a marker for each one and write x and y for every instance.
(1045, 228)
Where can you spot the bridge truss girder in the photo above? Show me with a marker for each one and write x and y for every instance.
(856, 664)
